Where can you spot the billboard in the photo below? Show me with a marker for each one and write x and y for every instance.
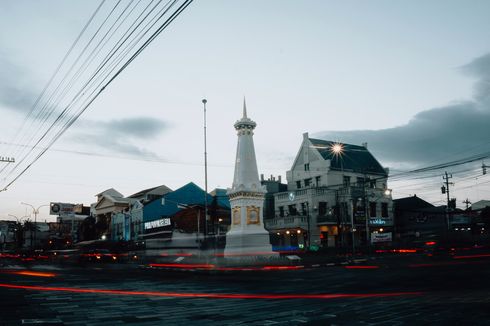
(61, 209)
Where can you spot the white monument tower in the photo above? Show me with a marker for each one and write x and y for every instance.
(247, 234)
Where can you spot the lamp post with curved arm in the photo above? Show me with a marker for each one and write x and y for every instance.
(19, 222)
(35, 211)
(19, 219)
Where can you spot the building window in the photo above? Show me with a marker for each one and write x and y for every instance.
(281, 211)
(322, 208)
(307, 182)
(344, 212)
(360, 182)
(298, 184)
(303, 209)
(372, 183)
(372, 209)
(292, 210)
(346, 181)
(384, 209)
(307, 167)
(317, 180)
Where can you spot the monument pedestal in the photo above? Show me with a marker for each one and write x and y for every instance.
(239, 243)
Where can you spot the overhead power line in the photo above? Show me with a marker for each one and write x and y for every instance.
(150, 22)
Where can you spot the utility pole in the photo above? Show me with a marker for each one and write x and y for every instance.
(309, 229)
(7, 159)
(467, 202)
(366, 209)
(445, 189)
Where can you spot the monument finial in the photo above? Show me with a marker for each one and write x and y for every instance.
(244, 108)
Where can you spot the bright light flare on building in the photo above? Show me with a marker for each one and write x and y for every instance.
(337, 149)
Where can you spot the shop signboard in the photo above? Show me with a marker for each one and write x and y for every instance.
(381, 237)
(380, 221)
(459, 219)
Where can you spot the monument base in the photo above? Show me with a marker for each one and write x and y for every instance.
(248, 244)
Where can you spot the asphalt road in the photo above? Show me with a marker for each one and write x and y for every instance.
(386, 292)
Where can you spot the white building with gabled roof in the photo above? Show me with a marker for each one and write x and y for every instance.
(337, 196)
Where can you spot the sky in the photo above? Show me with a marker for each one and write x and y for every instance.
(412, 79)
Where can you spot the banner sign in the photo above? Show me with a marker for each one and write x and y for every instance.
(157, 223)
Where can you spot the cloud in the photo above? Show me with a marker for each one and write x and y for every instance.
(121, 135)
(480, 69)
(141, 127)
(115, 145)
(15, 88)
(443, 133)
(125, 136)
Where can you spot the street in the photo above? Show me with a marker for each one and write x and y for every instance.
(383, 291)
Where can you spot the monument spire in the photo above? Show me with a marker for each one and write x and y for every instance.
(247, 232)
(244, 108)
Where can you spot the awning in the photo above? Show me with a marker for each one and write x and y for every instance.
(155, 233)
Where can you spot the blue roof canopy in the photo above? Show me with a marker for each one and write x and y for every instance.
(190, 194)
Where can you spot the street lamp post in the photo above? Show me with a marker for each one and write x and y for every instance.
(35, 211)
(204, 101)
(353, 229)
(19, 221)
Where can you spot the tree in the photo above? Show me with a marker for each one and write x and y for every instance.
(87, 229)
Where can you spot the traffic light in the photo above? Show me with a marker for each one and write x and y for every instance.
(443, 189)
(484, 168)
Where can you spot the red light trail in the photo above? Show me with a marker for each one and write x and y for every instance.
(30, 273)
(215, 268)
(210, 295)
(184, 266)
(472, 256)
(362, 267)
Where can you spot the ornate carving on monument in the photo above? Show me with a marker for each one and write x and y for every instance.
(236, 215)
(253, 215)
